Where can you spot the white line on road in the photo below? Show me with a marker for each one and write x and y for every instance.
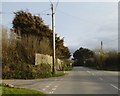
(44, 89)
(56, 86)
(51, 92)
(47, 86)
(88, 71)
(114, 86)
(100, 78)
(53, 88)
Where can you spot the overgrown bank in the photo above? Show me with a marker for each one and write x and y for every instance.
(29, 35)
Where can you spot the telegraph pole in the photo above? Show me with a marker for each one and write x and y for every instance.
(101, 53)
(53, 31)
(101, 46)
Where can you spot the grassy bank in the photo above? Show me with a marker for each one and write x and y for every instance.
(8, 91)
(57, 74)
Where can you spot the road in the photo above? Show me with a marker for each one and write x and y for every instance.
(80, 80)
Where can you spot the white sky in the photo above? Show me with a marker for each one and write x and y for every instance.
(60, 0)
(82, 24)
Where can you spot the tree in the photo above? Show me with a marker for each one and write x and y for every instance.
(62, 52)
(81, 55)
(25, 25)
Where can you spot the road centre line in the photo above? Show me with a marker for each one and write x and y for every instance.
(100, 78)
(51, 92)
(114, 86)
(44, 89)
(88, 71)
(53, 89)
(47, 86)
(56, 86)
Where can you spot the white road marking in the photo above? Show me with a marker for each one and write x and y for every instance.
(100, 78)
(114, 86)
(88, 71)
(47, 86)
(44, 89)
(51, 92)
(56, 86)
(53, 88)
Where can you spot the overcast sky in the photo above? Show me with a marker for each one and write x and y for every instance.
(82, 24)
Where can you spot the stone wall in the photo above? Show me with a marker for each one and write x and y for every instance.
(47, 59)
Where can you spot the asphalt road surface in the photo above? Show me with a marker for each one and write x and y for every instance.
(80, 80)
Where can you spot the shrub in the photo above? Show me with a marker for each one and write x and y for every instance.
(18, 55)
(67, 65)
(108, 61)
(27, 71)
(41, 71)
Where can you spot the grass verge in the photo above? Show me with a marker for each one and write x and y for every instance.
(7, 91)
(57, 74)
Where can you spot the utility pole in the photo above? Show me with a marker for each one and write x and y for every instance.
(53, 30)
(101, 53)
(101, 46)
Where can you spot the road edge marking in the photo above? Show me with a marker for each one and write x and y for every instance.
(101, 78)
(114, 86)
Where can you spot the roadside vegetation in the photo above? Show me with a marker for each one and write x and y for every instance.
(13, 91)
(28, 36)
(100, 60)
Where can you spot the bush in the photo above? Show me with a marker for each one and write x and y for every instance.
(18, 56)
(111, 62)
(106, 61)
(66, 66)
(41, 71)
(27, 71)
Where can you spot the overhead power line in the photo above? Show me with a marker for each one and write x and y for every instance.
(50, 1)
(45, 10)
(40, 13)
(56, 5)
(6, 13)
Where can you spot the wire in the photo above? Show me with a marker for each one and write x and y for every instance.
(45, 10)
(6, 13)
(111, 41)
(56, 5)
(67, 14)
(40, 13)
(50, 1)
